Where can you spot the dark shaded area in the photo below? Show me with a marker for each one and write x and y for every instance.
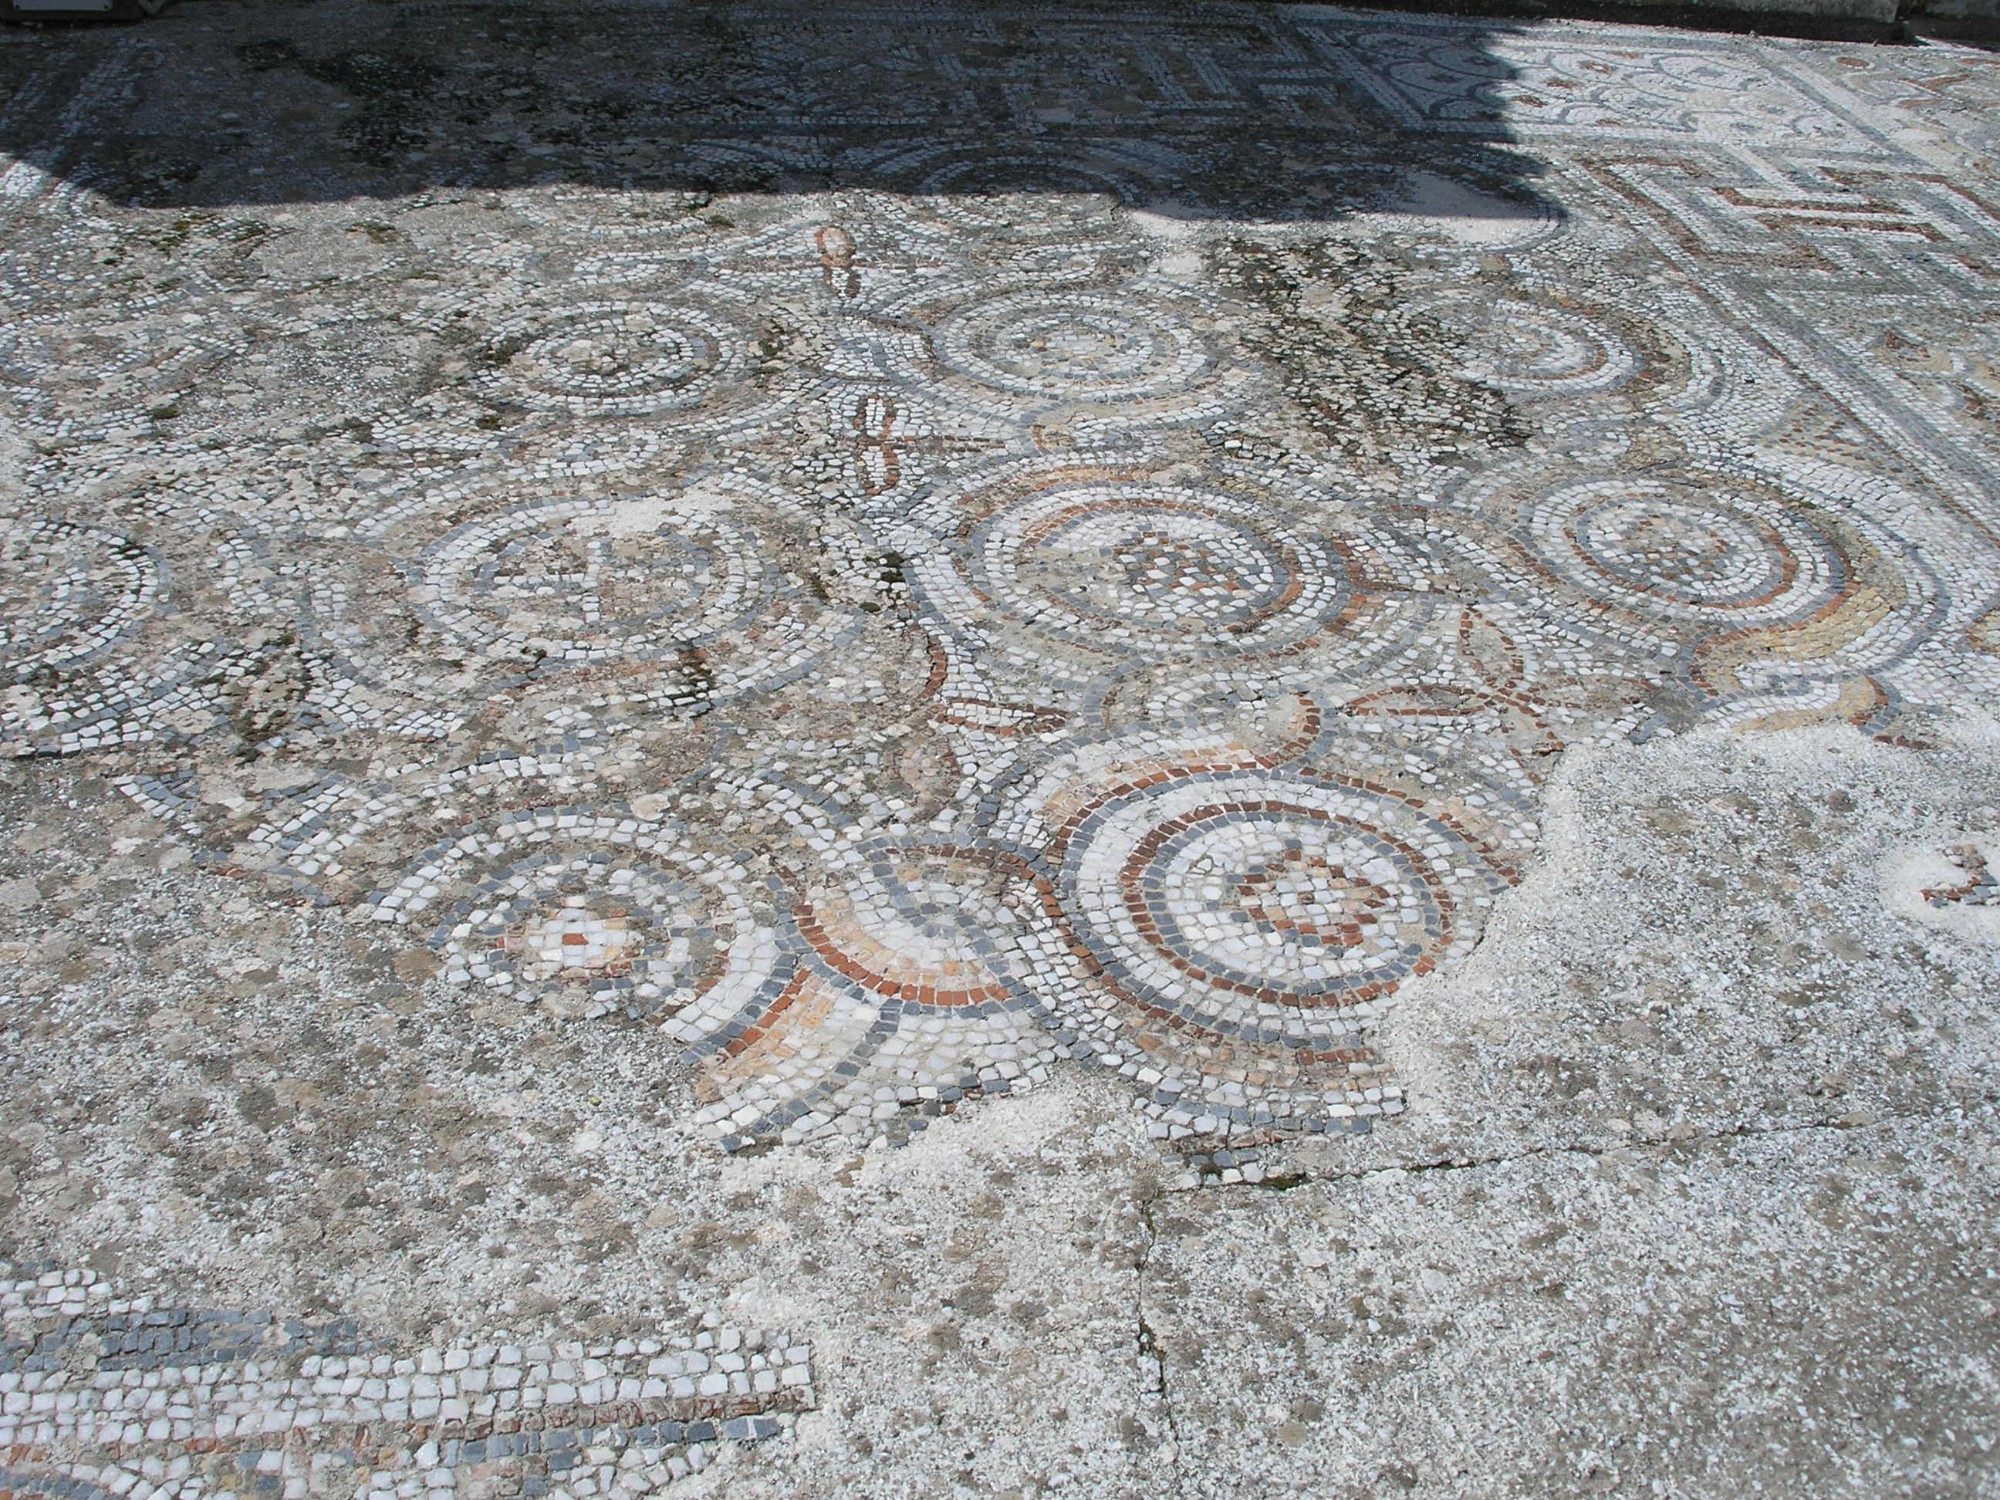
(1909, 24)
(1195, 110)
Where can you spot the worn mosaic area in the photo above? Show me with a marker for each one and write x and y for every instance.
(1104, 588)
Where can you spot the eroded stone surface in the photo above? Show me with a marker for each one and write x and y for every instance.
(1248, 749)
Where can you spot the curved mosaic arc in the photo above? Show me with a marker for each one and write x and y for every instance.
(1506, 737)
(1039, 798)
(45, 279)
(692, 359)
(72, 592)
(340, 838)
(323, 249)
(662, 218)
(954, 189)
(611, 358)
(1251, 701)
(96, 646)
(1865, 703)
(78, 384)
(1555, 348)
(914, 994)
(620, 218)
(80, 1481)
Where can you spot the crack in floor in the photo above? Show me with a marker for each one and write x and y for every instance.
(1304, 1176)
(1151, 1355)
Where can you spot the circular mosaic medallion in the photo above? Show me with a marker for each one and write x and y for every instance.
(614, 358)
(678, 600)
(1073, 346)
(94, 650)
(92, 379)
(590, 581)
(1696, 554)
(1735, 583)
(1528, 351)
(1548, 349)
(587, 912)
(1074, 574)
(1243, 902)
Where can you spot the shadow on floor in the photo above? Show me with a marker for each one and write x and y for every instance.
(1193, 110)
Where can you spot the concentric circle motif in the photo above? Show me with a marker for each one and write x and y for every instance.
(618, 216)
(67, 592)
(676, 600)
(1528, 350)
(585, 912)
(1014, 195)
(1074, 346)
(591, 581)
(150, 625)
(1550, 349)
(78, 667)
(1686, 560)
(1078, 573)
(1735, 580)
(614, 358)
(323, 375)
(1261, 906)
(104, 377)
(1724, 555)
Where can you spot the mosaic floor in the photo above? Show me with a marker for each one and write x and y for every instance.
(913, 554)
